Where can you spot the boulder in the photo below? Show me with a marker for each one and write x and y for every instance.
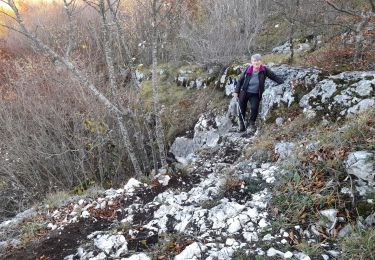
(193, 251)
(284, 48)
(342, 95)
(330, 214)
(370, 220)
(279, 121)
(207, 133)
(361, 165)
(183, 149)
(284, 149)
(277, 95)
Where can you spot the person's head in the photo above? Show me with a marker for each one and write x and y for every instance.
(256, 61)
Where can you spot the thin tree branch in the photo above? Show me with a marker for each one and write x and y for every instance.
(6, 14)
(69, 13)
(14, 29)
(340, 9)
(92, 4)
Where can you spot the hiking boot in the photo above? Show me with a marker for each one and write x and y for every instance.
(242, 126)
(252, 127)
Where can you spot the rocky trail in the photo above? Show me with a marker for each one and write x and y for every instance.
(218, 208)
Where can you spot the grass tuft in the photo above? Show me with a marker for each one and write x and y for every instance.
(32, 228)
(359, 245)
(57, 199)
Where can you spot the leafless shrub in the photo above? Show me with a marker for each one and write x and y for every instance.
(53, 136)
(222, 30)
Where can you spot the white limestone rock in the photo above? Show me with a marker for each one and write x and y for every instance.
(206, 135)
(234, 227)
(139, 75)
(309, 113)
(263, 223)
(330, 214)
(163, 179)
(100, 256)
(18, 218)
(141, 256)
(110, 243)
(284, 149)
(288, 255)
(301, 256)
(362, 106)
(284, 94)
(229, 88)
(273, 252)
(183, 149)
(225, 253)
(345, 231)
(347, 93)
(85, 214)
(199, 82)
(193, 251)
(284, 48)
(370, 220)
(132, 184)
(361, 165)
(279, 121)
(250, 236)
(230, 241)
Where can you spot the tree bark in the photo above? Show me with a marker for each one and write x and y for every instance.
(155, 88)
(359, 38)
(291, 44)
(113, 85)
(134, 82)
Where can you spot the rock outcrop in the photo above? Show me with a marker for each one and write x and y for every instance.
(319, 94)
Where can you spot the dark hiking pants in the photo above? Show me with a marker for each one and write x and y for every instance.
(254, 100)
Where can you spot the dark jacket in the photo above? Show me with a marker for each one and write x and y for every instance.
(264, 73)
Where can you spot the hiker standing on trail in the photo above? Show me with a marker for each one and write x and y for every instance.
(250, 87)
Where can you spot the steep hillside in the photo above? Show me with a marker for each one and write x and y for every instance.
(301, 187)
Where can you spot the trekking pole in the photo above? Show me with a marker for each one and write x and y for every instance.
(240, 112)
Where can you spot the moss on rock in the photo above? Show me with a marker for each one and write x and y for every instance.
(364, 208)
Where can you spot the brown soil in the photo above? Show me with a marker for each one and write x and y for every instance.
(60, 243)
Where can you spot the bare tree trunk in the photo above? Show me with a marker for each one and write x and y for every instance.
(127, 143)
(155, 88)
(68, 6)
(124, 46)
(122, 121)
(291, 43)
(151, 138)
(359, 38)
(113, 85)
(108, 52)
(292, 24)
